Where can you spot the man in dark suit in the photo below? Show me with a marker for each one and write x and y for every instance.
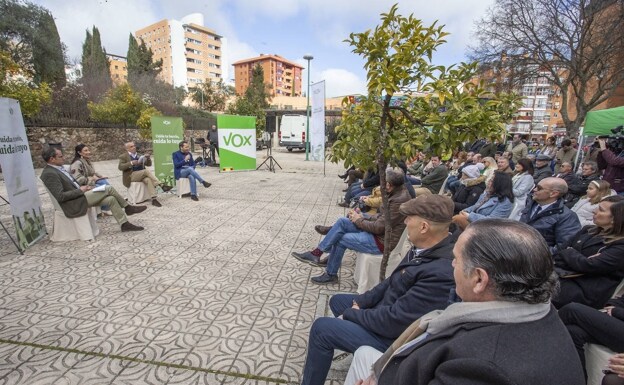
(505, 331)
(75, 199)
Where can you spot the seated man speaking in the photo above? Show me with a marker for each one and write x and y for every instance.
(75, 199)
(421, 283)
(359, 233)
(132, 165)
(505, 332)
(184, 167)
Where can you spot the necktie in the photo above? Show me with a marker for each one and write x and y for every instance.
(539, 210)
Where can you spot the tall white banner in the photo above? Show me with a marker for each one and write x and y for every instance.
(317, 122)
(19, 175)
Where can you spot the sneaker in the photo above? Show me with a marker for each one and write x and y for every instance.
(127, 226)
(166, 188)
(156, 203)
(206, 184)
(194, 197)
(324, 279)
(307, 257)
(323, 230)
(130, 209)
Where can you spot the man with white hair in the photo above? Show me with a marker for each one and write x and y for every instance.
(132, 165)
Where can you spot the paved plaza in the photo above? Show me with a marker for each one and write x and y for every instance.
(207, 294)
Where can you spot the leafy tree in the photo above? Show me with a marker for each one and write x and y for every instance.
(254, 101)
(120, 105)
(439, 107)
(96, 77)
(212, 97)
(28, 32)
(579, 44)
(14, 84)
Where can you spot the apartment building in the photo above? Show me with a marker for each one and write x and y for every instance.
(283, 76)
(118, 68)
(191, 53)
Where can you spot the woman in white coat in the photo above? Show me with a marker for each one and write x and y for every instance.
(522, 185)
(585, 207)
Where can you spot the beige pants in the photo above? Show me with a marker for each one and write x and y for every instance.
(422, 191)
(148, 178)
(109, 197)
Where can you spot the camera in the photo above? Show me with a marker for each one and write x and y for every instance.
(615, 141)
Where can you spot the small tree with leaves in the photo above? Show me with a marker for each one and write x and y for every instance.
(15, 84)
(212, 97)
(439, 107)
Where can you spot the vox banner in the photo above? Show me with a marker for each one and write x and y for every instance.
(317, 122)
(19, 175)
(237, 142)
(167, 133)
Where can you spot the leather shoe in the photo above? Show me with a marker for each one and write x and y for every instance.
(324, 279)
(307, 257)
(345, 190)
(127, 226)
(186, 195)
(156, 203)
(343, 204)
(342, 176)
(206, 184)
(131, 210)
(166, 188)
(323, 230)
(194, 197)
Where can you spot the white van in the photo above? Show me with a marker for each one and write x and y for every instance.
(292, 132)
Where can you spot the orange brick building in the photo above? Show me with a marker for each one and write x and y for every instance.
(283, 76)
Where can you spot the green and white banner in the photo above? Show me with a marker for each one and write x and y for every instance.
(237, 142)
(167, 133)
(19, 175)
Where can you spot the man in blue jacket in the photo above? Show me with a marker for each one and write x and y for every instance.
(421, 283)
(184, 167)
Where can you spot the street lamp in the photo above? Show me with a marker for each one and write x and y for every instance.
(308, 57)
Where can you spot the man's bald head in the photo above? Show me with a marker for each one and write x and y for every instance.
(549, 190)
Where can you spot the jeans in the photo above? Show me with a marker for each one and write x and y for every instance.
(452, 183)
(413, 180)
(356, 191)
(342, 236)
(192, 176)
(101, 182)
(329, 333)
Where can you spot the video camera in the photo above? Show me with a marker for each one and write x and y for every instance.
(615, 141)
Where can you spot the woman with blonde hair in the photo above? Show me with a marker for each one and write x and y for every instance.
(585, 207)
(490, 167)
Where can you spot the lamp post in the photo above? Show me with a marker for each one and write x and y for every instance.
(308, 57)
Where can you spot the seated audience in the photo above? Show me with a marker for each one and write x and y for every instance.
(614, 374)
(578, 187)
(503, 165)
(550, 149)
(432, 182)
(547, 213)
(184, 167)
(495, 202)
(542, 168)
(360, 233)
(588, 325)
(421, 283)
(566, 172)
(591, 263)
(504, 332)
(585, 208)
(356, 190)
(132, 165)
(522, 181)
(490, 167)
(75, 199)
(470, 188)
(84, 173)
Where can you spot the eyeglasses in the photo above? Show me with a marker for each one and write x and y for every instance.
(540, 188)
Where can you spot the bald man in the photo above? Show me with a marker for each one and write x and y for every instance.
(546, 212)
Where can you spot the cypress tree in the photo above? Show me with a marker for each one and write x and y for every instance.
(96, 77)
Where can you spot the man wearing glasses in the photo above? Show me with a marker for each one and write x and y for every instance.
(546, 212)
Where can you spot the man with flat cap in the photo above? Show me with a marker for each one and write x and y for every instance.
(542, 168)
(421, 283)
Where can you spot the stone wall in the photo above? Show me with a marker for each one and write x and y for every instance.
(104, 143)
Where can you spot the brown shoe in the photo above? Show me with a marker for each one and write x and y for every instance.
(127, 226)
(323, 230)
(166, 188)
(186, 195)
(194, 197)
(130, 210)
(343, 204)
(156, 203)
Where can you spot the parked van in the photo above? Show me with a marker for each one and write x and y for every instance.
(292, 132)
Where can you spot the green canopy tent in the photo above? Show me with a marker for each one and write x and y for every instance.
(602, 121)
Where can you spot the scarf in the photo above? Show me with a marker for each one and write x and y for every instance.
(438, 321)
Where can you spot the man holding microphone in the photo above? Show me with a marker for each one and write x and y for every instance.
(184, 167)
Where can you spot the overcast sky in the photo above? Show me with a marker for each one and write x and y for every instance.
(289, 28)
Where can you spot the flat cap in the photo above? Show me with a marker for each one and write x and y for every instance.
(435, 208)
(542, 157)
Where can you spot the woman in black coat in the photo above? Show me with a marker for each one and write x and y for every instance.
(470, 188)
(591, 264)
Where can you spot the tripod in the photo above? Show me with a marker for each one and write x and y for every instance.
(270, 159)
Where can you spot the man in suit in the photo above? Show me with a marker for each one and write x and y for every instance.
(75, 199)
(184, 167)
(132, 165)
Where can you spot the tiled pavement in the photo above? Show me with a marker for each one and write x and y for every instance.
(207, 294)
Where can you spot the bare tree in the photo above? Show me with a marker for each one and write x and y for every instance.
(578, 43)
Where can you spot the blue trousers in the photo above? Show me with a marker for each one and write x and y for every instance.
(329, 333)
(342, 236)
(356, 191)
(192, 176)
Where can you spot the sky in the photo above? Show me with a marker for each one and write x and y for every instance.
(289, 28)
